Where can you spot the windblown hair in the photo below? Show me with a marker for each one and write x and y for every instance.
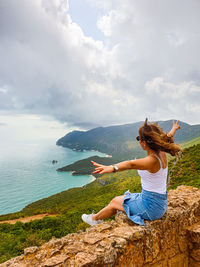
(157, 139)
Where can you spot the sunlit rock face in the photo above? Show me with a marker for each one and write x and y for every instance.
(173, 240)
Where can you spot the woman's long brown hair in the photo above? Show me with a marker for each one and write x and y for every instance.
(157, 139)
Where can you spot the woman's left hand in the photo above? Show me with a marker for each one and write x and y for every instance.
(101, 169)
(176, 126)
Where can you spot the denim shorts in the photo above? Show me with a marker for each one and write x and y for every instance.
(145, 205)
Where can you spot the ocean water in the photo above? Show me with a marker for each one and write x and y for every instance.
(27, 173)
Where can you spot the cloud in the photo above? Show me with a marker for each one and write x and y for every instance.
(2, 124)
(168, 90)
(147, 66)
(175, 98)
(108, 22)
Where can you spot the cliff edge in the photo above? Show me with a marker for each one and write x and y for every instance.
(173, 240)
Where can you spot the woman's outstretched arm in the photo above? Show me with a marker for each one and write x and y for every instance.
(139, 164)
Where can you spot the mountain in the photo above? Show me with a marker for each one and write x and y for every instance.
(119, 141)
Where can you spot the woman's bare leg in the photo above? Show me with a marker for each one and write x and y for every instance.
(110, 210)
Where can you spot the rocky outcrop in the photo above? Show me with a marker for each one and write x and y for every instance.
(173, 240)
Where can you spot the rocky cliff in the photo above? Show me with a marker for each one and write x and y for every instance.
(173, 240)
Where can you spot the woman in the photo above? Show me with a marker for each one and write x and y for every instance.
(151, 203)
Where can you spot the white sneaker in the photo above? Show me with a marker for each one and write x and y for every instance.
(88, 219)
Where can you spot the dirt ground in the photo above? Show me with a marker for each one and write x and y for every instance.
(28, 219)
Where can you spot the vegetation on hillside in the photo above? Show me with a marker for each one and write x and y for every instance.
(187, 170)
(189, 143)
(71, 204)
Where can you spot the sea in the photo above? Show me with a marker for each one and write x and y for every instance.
(27, 173)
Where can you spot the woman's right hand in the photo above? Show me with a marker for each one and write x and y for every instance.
(101, 169)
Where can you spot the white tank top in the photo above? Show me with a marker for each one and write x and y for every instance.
(154, 182)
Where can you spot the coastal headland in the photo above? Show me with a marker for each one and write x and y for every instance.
(69, 205)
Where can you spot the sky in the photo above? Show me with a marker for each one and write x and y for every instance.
(80, 64)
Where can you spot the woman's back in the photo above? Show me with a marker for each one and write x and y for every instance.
(155, 181)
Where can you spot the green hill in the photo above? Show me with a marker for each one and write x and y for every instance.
(187, 170)
(119, 141)
(192, 142)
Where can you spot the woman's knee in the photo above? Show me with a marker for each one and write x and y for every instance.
(116, 202)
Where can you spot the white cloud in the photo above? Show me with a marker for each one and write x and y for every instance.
(109, 21)
(4, 89)
(149, 62)
(175, 39)
(193, 107)
(170, 90)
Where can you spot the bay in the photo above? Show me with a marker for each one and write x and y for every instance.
(27, 173)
